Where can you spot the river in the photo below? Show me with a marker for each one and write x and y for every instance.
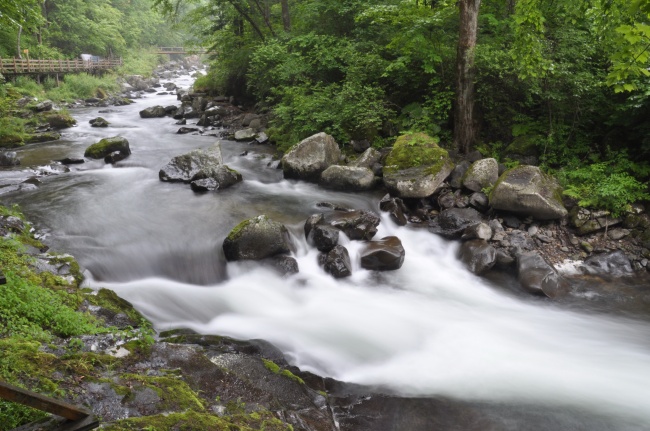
(430, 329)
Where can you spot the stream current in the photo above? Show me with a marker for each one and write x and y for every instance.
(430, 329)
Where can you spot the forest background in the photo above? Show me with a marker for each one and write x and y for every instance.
(562, 83)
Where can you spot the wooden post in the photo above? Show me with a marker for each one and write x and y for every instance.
(41, 402)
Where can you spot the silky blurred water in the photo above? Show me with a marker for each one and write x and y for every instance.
(428, 329)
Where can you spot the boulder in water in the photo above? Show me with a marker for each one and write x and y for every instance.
(153, 112)
(536, 275)
(356, 224)
(613, 264)
(186, 130)
(9, 158)
(347, 178)
(214, 178)
(387, 254)
(309, 158)
(478, 255)
(257, 238)
(325, 237)
(395, 208)
(183, 168)
(99, 122)
(337, 262)
(107, 146)
(451, 223)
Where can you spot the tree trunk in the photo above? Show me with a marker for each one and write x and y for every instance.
(464, 127)
(20, 30)
(286, 18)
(247, 17)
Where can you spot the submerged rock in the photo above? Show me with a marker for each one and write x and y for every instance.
(536, 275)
(614, 264)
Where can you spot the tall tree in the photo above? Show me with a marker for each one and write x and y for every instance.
(464, 124)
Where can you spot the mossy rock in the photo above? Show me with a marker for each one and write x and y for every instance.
(42, 137)
(257, 238)
(59, 120)
(416, 166)
(11, 141)
(107, 146)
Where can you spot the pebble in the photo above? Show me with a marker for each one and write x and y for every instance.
(532, 231)
(565, 249)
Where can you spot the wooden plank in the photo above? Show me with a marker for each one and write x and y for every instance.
(84, 424)
(41, 402)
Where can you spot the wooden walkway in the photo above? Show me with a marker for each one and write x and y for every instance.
(179, 50)
(17, 66)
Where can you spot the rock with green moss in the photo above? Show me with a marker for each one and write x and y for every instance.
(10, 140)
(527, 190)
(184, 167)
(481, 174)
(107, 146)
(42, 137)
(308, 159)
(59, 120)
(416, 166)
(257, 238)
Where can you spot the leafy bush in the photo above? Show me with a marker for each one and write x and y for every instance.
(82, 86)
(601, 186)
(140, 62)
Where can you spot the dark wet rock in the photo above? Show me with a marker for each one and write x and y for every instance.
(114, 157)
(214, 178)
(283, 264)
(504, 259)
(99, 122)
(512, 221)
(257, 238)
(186, 130)
(527, 190)
(309, 158)
(9, 158)
(395, 208)
(171, 109)
(613, 264)
(325, 237)
(416, 166)
(387, 254)
(311, 222)
(537, 276)
(456, 176)
(356, 224)
(337, 262)
(153, 112)
(452, 222)
(107, 146)
(71, 161)
(183, 168)
(347, 178)
(478, 255)
(481, 174)
(181, 122)
(368, 159)
(360, 146)
(520, 241)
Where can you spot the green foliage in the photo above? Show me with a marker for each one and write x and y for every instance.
(140, 62)
(82, 86)
(603, 186)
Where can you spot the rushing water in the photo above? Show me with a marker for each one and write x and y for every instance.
(429, 329)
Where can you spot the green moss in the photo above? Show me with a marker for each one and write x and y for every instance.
(276, 369)
(109, 300)
(59, 120)
(174, 393)
(271, 366)
(415, 150)
(107, 146)
(191, 420)
(237, 230)
(290, 375)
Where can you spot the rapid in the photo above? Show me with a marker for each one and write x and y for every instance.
(429, 329)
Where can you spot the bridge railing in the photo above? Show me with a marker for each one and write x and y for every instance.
(18, 66)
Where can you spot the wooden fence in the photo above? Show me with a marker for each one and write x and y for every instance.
(25, 66)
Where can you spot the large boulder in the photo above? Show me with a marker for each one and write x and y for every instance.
(416, 166)
(214, 178)
(481, 174)
(347, 178)
(356, 224)
(153, 112)
(478, 255)
(108, 146)
(184, 167)
(527, 190)
(451, 223)
(308, 159)
(387, 254)
(537, 276)
(257, 238)
(59, 120)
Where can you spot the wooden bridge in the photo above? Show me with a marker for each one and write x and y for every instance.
(25, 66)
(180, 50)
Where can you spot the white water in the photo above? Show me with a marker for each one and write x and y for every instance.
(428, 329)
